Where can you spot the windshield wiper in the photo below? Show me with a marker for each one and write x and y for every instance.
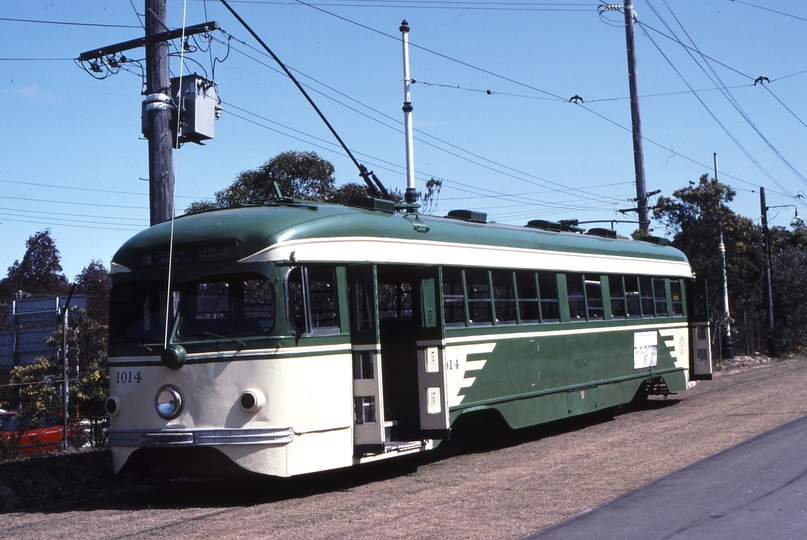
(226, 338)
(139, 343)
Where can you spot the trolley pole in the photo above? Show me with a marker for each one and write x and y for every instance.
(158, 113)
(638, 152)
(411, 195)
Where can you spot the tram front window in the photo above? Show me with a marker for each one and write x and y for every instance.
(232, 307)
(137, 312)
(221, 307)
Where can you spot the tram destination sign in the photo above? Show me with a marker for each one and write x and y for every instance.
(197, 253)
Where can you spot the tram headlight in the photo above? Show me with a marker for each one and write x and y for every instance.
(112, 405)
(169, 402)
(252, 400)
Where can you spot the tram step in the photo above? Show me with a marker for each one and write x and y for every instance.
(657, 387)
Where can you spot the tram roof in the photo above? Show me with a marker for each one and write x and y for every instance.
(320, 232)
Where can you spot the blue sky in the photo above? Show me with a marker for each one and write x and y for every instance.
(492, 115)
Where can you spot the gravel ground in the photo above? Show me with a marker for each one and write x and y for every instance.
(503, 487)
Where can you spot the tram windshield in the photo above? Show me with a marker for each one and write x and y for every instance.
(230, 306)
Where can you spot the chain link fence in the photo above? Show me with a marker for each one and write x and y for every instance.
(26, 326)
(749, 334)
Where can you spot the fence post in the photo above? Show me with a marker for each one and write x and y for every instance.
(65, 388)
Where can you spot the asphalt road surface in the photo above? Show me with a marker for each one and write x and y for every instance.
(757, 489)
(507, 486)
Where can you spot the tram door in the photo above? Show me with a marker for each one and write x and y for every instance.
(368, 384)
(700, 360)
(430, 342)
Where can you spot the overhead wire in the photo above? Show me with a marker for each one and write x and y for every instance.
(492, 73)
(94, 190)
(535, 180)
(66, 23)
(770, 9)
(438, 54)
(439, 5)
(395, 168)
(720, 87)
(719, 84)
(552, 96)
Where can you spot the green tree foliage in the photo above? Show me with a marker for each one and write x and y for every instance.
(197, 207)
(782, 238)
(789, 284)
(344, 193)
(38, 390)
(40, 271)
(93, 281)
(301, 175)
(696, 215)
(88, 372)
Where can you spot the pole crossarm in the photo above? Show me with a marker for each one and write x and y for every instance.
(139, 42)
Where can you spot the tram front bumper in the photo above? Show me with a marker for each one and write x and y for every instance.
(200, 437)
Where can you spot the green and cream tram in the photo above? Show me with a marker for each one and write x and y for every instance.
(295, 337)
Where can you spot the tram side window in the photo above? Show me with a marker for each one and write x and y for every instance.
(617, 289)
(660, 296)
(504, 297)
(478, 287)
(632, 302)
(577, 300)
(646, 295)
(395, 300)
(311, 300)
(453, 299)
(677, 300)
(322, 291)
(295, 301)
(594, 303)
(548, 291)
(527, 292)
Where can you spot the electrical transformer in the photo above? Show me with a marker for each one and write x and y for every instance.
(195, 99)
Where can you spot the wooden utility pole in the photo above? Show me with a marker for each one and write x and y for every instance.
(763, 207)
(159, 105)
(158, 113)
(638, 152)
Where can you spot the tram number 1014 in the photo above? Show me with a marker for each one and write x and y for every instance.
(128, 377)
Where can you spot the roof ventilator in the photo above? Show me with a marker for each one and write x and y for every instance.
(544, 225)
(658, 240)
(600, 231)
(472, 216)
(371, 203)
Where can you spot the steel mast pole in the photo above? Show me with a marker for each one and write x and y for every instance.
(728, 344)
(411, 195)
(638, 152)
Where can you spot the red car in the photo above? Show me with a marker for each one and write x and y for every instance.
(19, 439)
